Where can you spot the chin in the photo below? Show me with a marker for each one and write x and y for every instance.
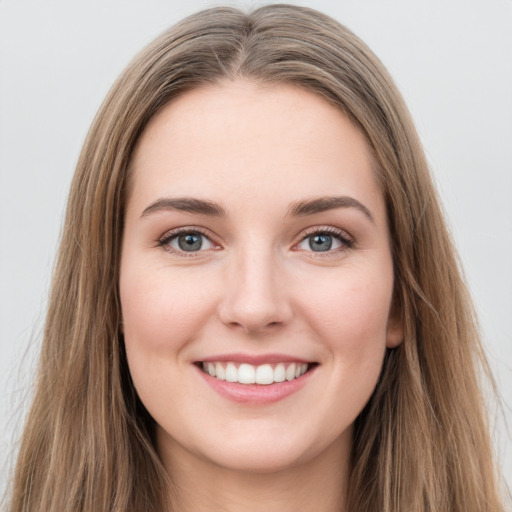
(257, 460)
(269, 451)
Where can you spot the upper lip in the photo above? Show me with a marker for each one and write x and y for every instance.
(254, 359)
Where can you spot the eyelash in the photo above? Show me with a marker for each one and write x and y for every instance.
(347, 242)
(165, 240)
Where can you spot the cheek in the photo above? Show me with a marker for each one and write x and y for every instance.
(347, 317)
(351, 310)
(161, 309)
(162, 313)
(350, 318)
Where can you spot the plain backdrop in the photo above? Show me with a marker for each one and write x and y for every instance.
(452, 60)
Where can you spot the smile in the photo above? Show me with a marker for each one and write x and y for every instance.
(263, 374)
(256, 380)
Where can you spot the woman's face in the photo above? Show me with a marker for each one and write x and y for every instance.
(255, 248)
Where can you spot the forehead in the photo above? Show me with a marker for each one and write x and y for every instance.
(275, 139)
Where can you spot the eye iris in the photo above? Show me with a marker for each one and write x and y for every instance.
(190, 242)
(320, 242)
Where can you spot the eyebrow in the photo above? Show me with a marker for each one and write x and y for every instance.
(185, 204)
(323, 204)
(296, 209)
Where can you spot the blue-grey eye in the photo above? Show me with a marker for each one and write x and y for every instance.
(320, 242)
(190, 241)
(323, 242)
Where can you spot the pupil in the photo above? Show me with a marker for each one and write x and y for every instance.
(320, 242)
(190, 242)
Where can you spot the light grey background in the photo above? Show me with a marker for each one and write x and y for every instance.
(452, 60)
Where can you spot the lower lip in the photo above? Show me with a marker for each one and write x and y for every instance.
(256, 394)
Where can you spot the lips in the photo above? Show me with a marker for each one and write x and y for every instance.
(255, 380)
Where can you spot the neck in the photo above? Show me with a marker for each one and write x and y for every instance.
(318, 484)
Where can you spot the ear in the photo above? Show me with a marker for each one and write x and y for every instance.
(395, 327)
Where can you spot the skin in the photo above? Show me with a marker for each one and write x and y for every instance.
(256, 287)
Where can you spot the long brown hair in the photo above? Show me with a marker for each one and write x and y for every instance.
(422, 441)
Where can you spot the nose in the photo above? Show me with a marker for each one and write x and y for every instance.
(255, 298)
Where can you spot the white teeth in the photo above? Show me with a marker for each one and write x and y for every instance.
(290, 372)
(231, 373)
(263, 374)
(220, 372)
(246, 374)
(280, 373)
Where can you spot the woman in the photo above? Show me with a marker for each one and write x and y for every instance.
(256, 303)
